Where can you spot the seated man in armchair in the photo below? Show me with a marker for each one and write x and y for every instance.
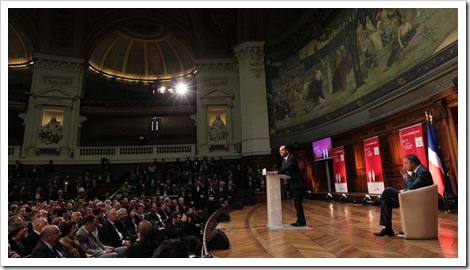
(420, 177)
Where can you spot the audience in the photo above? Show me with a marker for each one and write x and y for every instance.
(133, 226)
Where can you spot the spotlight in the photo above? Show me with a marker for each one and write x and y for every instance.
(343, 198)
(181, 89)
(161, 89)
(328, 197)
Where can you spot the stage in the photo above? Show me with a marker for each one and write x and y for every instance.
(338, 230)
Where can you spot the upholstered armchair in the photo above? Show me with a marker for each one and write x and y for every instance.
(419, 209)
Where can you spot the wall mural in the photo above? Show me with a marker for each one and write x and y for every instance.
(359, 51)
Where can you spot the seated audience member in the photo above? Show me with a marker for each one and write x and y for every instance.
(48, 245)
(33, 238)
(154, 216)
(420, 177)
(125, 189)
(181, 227)
(172, 248)
(145, 245)
(109, 234)
(92, 245)
(17, 240)
(121, 226)
(131, 221)
(69, 243)
(33, 215)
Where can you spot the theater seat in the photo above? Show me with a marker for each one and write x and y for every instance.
(419, 209)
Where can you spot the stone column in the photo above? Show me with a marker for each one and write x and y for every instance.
(253, 98)
(56, 92)
(217, 91)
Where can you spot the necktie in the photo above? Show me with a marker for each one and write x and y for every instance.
(57, 253)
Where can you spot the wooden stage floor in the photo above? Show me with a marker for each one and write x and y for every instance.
(338, 230)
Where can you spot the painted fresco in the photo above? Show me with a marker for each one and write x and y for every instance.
(359, 51)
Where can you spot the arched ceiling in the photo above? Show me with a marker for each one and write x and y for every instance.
(20, 50)
(143, 51)
(147, 44)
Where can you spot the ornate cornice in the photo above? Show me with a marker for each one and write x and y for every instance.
(58, 63)
(215, 65)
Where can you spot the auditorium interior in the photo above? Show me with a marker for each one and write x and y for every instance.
(162, 98)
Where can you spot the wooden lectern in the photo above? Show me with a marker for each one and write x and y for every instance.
(273, 197)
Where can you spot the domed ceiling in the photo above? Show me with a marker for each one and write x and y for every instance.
(143, 51)
(20, 50)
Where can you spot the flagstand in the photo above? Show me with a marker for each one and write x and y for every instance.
(446, 203)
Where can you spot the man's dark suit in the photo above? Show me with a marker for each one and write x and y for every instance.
(389, 197)
(32, 239)
(109, 235)
(43, 251)
(297, 184)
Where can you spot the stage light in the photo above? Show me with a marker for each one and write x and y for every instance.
(162, 89)
(328, 197)
(343, 198)
(181, 89)
(366, 200)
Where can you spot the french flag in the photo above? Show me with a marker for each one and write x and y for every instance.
(436, 163)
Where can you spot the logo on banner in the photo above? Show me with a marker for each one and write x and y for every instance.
(412, 142)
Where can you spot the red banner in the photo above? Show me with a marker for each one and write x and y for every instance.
(374, 174)
(339, 168)
(412, 142)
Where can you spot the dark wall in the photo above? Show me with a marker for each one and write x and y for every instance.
(15, 128)
(122, 131)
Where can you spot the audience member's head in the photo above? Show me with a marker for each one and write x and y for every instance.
(14, 219)
(68, 228)
(173, 248)
(90, 223)
(111, 215)
(76, 216)
(57, 221)
(122, 214)
(39, 224)
(146, 229)
(50, 234)
(17, 230)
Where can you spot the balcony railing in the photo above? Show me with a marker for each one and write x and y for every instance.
(117, 153)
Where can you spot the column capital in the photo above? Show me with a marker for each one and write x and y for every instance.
(249, 49)
(253, 52)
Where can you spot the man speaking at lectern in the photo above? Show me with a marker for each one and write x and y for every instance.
(296, 182)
